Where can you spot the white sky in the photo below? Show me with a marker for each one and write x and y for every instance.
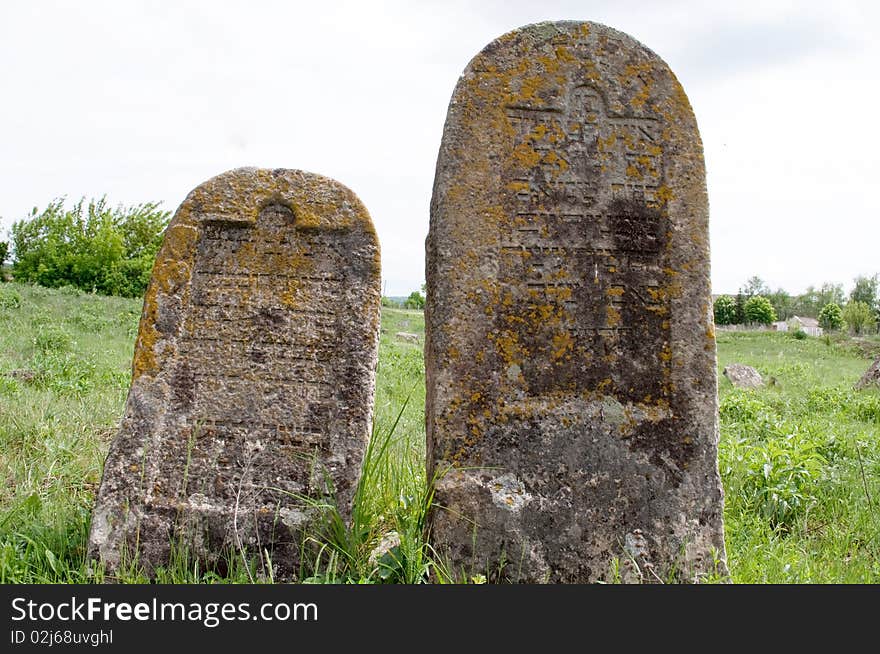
(142, 101)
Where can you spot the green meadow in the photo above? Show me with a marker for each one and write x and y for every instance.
(798, 458)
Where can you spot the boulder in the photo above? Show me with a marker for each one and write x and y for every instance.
(743, 376)
(870, 378)
(407, 336)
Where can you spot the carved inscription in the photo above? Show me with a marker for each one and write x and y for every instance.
(571, 423)
(252, 379)
(262, 315)
(581, 259)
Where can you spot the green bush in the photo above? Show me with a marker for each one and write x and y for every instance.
(742, 407)
(759, 310)
(93, 248)
(89, 320)
(415, 301)
(9, 298)
(52, 339)
(782, 475)
(725, 310)
(63, 372)
(867, 409)
(859, 317)
(831, 317)
(4, 252)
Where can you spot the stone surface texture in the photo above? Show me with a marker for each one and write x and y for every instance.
(871, 378)
(743, 376)
(253, 375)
(570, 348)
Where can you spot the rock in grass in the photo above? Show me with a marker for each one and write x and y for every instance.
(871, 378)
(253, 376)
(742, 376)
(389, 541)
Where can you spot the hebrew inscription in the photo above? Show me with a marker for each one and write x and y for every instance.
(253, 375)
(584, 244)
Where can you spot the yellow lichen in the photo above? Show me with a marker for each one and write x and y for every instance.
(664, 194)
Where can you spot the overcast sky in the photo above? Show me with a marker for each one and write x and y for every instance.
(143, 101)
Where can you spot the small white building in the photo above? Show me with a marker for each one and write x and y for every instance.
(810, 326)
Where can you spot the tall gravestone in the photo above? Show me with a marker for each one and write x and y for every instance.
(253, 376)
(570, 351)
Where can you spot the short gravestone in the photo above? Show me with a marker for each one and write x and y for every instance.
(253, 377)
(570, 351)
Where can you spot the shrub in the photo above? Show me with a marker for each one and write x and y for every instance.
(782, 476)
(89, 320)
(52, 339)
(63, 372)
(9, 298)
(67, 289)
(415, 301)
(92, 248)
(859, 317)
(759, 310)
(867, 408)
(831, 317)
(4, 252)
(725, 310)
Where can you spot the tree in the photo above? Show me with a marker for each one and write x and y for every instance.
(4, 252)
(415, 301)
(755, 286)
(830, 293)
(831, 317)
(807, 303)
(759, 310)
(740, 313)
(783, 304)
(865, 291)
(812, 300)
(94, 247)
(859, 317)
(725, 310)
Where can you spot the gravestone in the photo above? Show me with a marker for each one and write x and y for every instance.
(253, 376)
(570, 348)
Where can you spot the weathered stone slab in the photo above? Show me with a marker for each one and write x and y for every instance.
(743, 376)
(253, 374)
(570, 348)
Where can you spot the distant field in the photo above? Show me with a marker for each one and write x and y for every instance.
(800, 459)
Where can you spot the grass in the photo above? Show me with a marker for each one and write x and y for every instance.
(800, 461)
(65, 361)
(799, 458)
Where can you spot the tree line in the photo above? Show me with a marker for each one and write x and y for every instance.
(91, 246)
(755, 303)
(110, 250)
